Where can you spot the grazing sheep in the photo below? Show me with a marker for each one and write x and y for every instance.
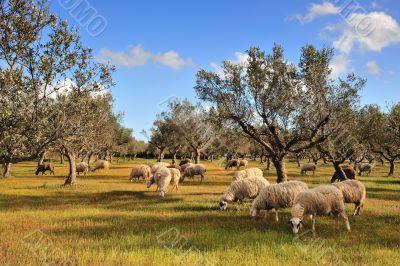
(308, 167)
(157, 166)
(364, 168)
(353, 192)
(175, 176)
(349, 172)
(322, 200)
(232, 163)
(183, 167)
(141, 170)
(162, 177)
(185, 161)
(254, 171)
(243, 163)
(277, 196)
(82, 167)
(45, 167)
(241, 189)
(102, 164)
(174, 166)
(192, 170)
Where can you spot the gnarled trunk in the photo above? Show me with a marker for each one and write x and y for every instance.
(279, 164)
(268, 163)
(392, 167)
(71, 179)
(61, 157)
(339, 170)
(6, 169)
(197, 158)
(42, 157)
(174, 158)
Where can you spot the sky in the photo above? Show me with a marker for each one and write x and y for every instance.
(158, 46)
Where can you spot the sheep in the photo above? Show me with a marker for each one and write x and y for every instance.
(308, 167)
(353, 192)
(254, 171)
(45, 167)
(241, 189)
(364, 168)
(141, 170)
(349, 172)
(185, 161)
(82, 167)
(192, 170)
(174, 166)
(162, 177)
(184, 166)
(175, 176)
(322, 200)
(277, 196)
(243, 163)
(157, 166)
(232, 163)
(102, 164)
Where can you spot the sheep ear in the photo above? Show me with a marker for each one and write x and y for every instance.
(289, 222)
(301, 221)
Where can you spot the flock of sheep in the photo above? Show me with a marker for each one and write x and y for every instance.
(324, 200)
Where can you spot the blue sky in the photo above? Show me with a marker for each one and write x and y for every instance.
(158, 46)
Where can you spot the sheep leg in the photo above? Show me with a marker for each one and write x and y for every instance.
(344, 216)
(276, 216)
(357, 210)
(337, 222)
(313, 224)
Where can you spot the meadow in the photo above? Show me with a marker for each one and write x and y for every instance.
(105, 220)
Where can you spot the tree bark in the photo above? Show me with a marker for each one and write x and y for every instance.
(197, 159)
(280, 169)
(268, 163)
(71, 179)
(174, 158)
(339, 170)
(61, 158)
(160, 156)
(42, 157)
(6, 169)
(392, 167)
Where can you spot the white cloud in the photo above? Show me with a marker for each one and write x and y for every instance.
(373, 68)
(369, 32)
(240, 58)
(317, 10)
(339, 65)
(138, 56)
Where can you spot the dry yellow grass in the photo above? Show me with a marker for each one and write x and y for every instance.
(105, 220)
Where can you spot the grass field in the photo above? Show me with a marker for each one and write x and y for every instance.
(105, 220)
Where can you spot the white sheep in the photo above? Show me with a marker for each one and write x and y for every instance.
(156, 166)
(308, 167)
(277, 196)
(323, 200)
(254, 171)
(141, 170)
(102, 164)
(364, 168)
(242, 189)
(353, 192)
(82, 167)
(162, 178)
(175, 176)
(192, 170)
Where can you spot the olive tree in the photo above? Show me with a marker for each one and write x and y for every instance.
(283, 107)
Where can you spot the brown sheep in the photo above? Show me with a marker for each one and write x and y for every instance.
(232, 163)
(45, 167)
(185, 161)
(349, 172)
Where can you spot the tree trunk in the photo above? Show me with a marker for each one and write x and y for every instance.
(42, 157)
(280, 170)
(382, 161)
(160, 156)
(71, 179)
(392, 168)
(324, 159)
(268, 163)
(298, 161)
(61, 158)
(339, 170)
(197, 159)
(174, 158)
(6, 169)
(134, 156)
(89, 158)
